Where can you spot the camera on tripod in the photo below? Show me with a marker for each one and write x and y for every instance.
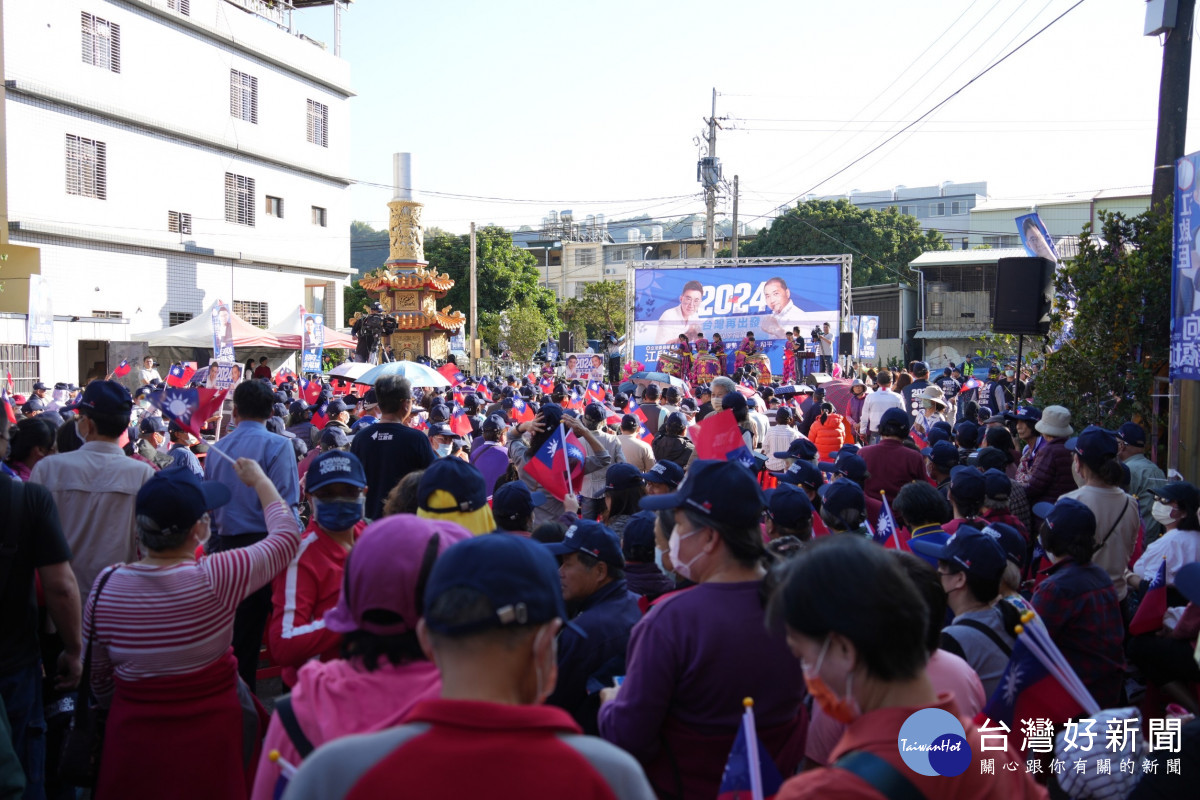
(815, 334)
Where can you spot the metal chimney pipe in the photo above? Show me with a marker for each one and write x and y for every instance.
(402, 176)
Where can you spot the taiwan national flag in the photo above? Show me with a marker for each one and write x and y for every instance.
(450, 372)
(320, 417)
(483, 391)
(595, 392)
(1027, 690)
(720, 438)
(521, 412)
(123, 369)
(969, 384)
(750, 772)
(310, 390)
(643, 428)
(921, 441)
(191, 408)
(614, 416)
(179, 375)
(284, 375)
(1149, 616)
(549, 464)
(888, 532)
(546, 384)
(8, 409)
(575, 401)
(460, 423)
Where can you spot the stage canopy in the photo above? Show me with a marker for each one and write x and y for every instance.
(290, 329)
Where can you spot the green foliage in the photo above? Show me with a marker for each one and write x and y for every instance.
(354, 297)
(526, 329)
(507, 274)
(602, 308)
(883, 243)
(1115, 299)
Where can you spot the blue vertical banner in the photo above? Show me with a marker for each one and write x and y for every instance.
(313, 344)
(222, 327)
(1037, 242)
(1185, 308)
(868, 332)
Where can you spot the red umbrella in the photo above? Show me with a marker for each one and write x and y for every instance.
(837, 393)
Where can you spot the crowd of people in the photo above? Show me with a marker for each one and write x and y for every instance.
(446, 620)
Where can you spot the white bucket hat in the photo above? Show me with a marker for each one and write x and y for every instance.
(1056, 422)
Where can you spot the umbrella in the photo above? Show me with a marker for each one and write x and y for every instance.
(199, 377)
(350, 369)
(837, 394)
(660, 378)
(418, 373)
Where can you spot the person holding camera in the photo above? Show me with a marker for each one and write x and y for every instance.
(824, 340)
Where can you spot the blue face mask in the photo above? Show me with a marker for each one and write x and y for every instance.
(443, 450)
(658, 561)
(337, 515)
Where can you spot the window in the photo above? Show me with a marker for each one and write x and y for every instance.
(958, 207)
(178, 317)
(87, 173)
(252, 311)
(243, 96)
(909, 210)
(107, 315)
(101, 42)
(318, 123)
(937, 209)
(318, 216)
(274, 206)
(239, 199)
(182, 6)
(179, 222)
(585, 258)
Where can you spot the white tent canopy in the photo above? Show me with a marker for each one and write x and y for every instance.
(290, 330)
(198, 332)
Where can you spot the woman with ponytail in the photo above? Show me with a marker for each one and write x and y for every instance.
(827, 431)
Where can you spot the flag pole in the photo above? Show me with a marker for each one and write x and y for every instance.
(756, 787)
(562, 432)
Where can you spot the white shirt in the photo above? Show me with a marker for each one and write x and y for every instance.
(876, 403)
(1178, 547)
(778, 439)
(148, 375)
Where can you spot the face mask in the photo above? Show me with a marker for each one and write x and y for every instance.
(79, 435)
(443, 450)
(658, 561)
(1162, 513)
(841, 709)
(682, 569)
(337, 515)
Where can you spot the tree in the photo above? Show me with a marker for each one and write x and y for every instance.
(602, 308)
(354, 297)
(1112, 315)
(507, 273)
(526, 329)
(883, 243)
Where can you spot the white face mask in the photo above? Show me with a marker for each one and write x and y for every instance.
(1162, 513)
(682, 568)
(443, 450)
(658, 561)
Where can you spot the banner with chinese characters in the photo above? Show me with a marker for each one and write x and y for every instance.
(222, 327)
(313, 344)
(1185, 303)
(584, 367)
(868, 332)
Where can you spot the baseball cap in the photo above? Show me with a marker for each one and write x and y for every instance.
(1068, 513)
(334, 466)
(734, 401)
(151, 424)
(514, 500)
(996, 485)
(846, 449)
(593, 538)
(176, 498)
(665, 472)
(1182, 492)
(39, 386)
(369, 398)
(333, 436)
(143, 391)
(783, 415)
(1024, 413)
(1010, 539)
(989, 458)
(441, 429)
(551, 414)
(842, 496)
(723, 490)
(493, 423)
(995, 419)
(459, 479)
(971, 550)
(594, 412)
(802, 473)
(849, 466)
(1132, 434)
(622, 476)
(639, 532)
(439, 413)
(1093, 442)
(336, 406)
(789, 506)
(897, 418)
(966, 483)
(386, 572)
(104, 397)
(298, 407)
(943, 454)
(516, 576)
(801, 449)
(968, 432)
(935, 435)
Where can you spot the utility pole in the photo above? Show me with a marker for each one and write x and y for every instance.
(735, 227)
(1183, 434)
(474, 310)
(710, 184)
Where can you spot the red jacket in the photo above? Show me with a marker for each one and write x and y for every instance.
(891, 465)
(1050, 476)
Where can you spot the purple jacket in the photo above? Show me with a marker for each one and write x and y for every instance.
(491, 459)
(1050, 477)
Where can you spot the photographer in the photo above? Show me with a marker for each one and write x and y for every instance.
(613, 348)
(824, 340)
(369, 330)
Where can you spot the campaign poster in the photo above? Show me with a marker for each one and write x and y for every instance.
(40, 321)
(585, 367)
(222, 327)
(1185, 261)
(223, 375)
(868, 332)
(313, 344)
(730, 302)
(1034, 238)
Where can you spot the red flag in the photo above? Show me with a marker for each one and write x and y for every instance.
(719, 435)
(643, 427)
(123, 369)
(191, 408)
(9, 381)
(179, 375)
(521, 412)
(921, 441)
(8, 409)
(483, 391)
(1150, 611)
(320, 417)
(549, 464)
(310, 390)
(450, 372)
(595, 392)
(460, 423)
(283, 375)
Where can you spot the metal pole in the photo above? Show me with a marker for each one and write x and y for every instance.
(710, 191)
(337, 28)
(3, 142)
(735, 223)
(474, 306)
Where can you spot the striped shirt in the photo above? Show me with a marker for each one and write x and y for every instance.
(154, 621)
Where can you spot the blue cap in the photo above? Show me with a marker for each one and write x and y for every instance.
(588, 536)
(1025, 414)
(176, 498)
(971, 550)
(1010, 539)
(966, 483)
(665, 472)
(895, 417)
(1093, 443)
(1181, 492)
(801, 449)
(152, 424)
(996, 485)
(551, 414)
(639, 532)
(967, 431)
(441, 429)
(1132, 434)
(1068, 513)
(514, 501)
(457, 477)
(841, 496)
(846, 449)
(789, 506)
(298, 407)
(334, 466)
(517, 576)
(104, 397)
(723, 490)
(622, 476)
(943, 454)
(936, 435)
(850, 466)
(801, 473)
(334, 436)
(336, 406)
(439, 413)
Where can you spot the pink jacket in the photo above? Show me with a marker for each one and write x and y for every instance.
(335, 699)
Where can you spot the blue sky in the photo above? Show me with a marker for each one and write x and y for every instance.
(594, 107)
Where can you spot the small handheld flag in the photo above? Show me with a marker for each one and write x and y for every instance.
(888, 531)
(750, 772)
(123, 369)
(190, 408)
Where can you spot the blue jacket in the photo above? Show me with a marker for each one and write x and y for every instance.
(588, 664)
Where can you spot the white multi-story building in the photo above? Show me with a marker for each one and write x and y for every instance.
(163, 154)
